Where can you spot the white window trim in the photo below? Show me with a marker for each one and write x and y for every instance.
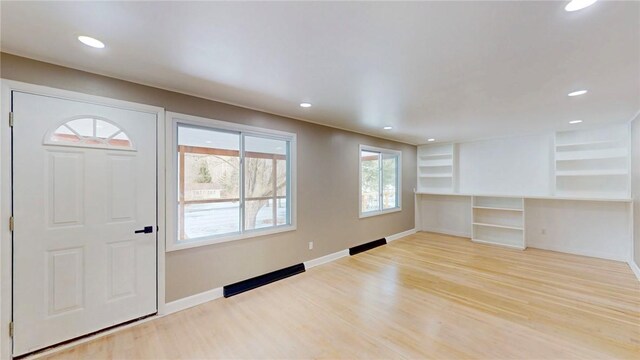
(386, 151)
(172, 179)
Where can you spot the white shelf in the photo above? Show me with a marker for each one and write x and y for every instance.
(436, 163)
(515, 203)
(589, 143)
(614, 153)
(436, 176)
(431, 156)
(497, 208)
(499, 226)
(592, 172)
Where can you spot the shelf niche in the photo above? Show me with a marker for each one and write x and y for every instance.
(436, 168)
(499, 221)
(593, 163)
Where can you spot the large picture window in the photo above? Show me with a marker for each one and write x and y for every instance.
(380, 182)
(232, 182)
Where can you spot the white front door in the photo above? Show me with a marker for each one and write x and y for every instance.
(84, 189)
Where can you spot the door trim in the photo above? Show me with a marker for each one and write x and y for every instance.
(6, 248)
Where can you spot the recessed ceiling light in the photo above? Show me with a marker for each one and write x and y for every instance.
(431, 140)
(577, 93)
(89, 41)
(578, 4)
(387, 128)
(305, 105)
(575, 121)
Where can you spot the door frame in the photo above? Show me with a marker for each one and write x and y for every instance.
(6, 245)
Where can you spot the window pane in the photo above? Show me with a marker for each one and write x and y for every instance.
(282, 211)
(83, 127)
(64, 134)
(208, 180)
(258, 187)
(281, 170)
(370, 173)
(120, 139)
(265, 178)
(63, 130)
(208, 219)
(389, 181)
(105, 130)
(259, 214)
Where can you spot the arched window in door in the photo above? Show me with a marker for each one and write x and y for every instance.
(90, 131)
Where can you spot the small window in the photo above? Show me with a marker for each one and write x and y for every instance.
(90, 132)
(380, 180)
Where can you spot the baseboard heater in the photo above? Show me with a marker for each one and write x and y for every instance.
(249, 284)
(368, 246)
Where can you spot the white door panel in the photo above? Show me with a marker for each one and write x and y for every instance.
(78, 264)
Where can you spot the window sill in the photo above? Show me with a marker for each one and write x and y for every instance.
(173, 246)
(376, 213)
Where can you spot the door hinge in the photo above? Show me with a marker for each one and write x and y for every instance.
(11, 119)
(11, 224)
(11, 329)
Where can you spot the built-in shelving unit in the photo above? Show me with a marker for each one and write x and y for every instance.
(436, 168)
(499, 221)
(564, 191)
(593, 163)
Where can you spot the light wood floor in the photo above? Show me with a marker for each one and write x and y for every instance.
(424, 296)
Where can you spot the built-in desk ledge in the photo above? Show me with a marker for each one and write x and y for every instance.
(540, 197)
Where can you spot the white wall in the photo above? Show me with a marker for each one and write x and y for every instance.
(519, 165)
(635, 186)
(446, 214)
(591, 228)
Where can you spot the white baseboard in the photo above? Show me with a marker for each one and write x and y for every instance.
(448, 232)
(325, 259)
(193, 300)
(397, 236)
(574, 251)
(340, 254)
(634, 267)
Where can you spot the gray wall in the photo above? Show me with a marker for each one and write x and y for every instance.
(327, 183)
(635, 186)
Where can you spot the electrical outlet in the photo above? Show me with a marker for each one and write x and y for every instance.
(310, 245)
